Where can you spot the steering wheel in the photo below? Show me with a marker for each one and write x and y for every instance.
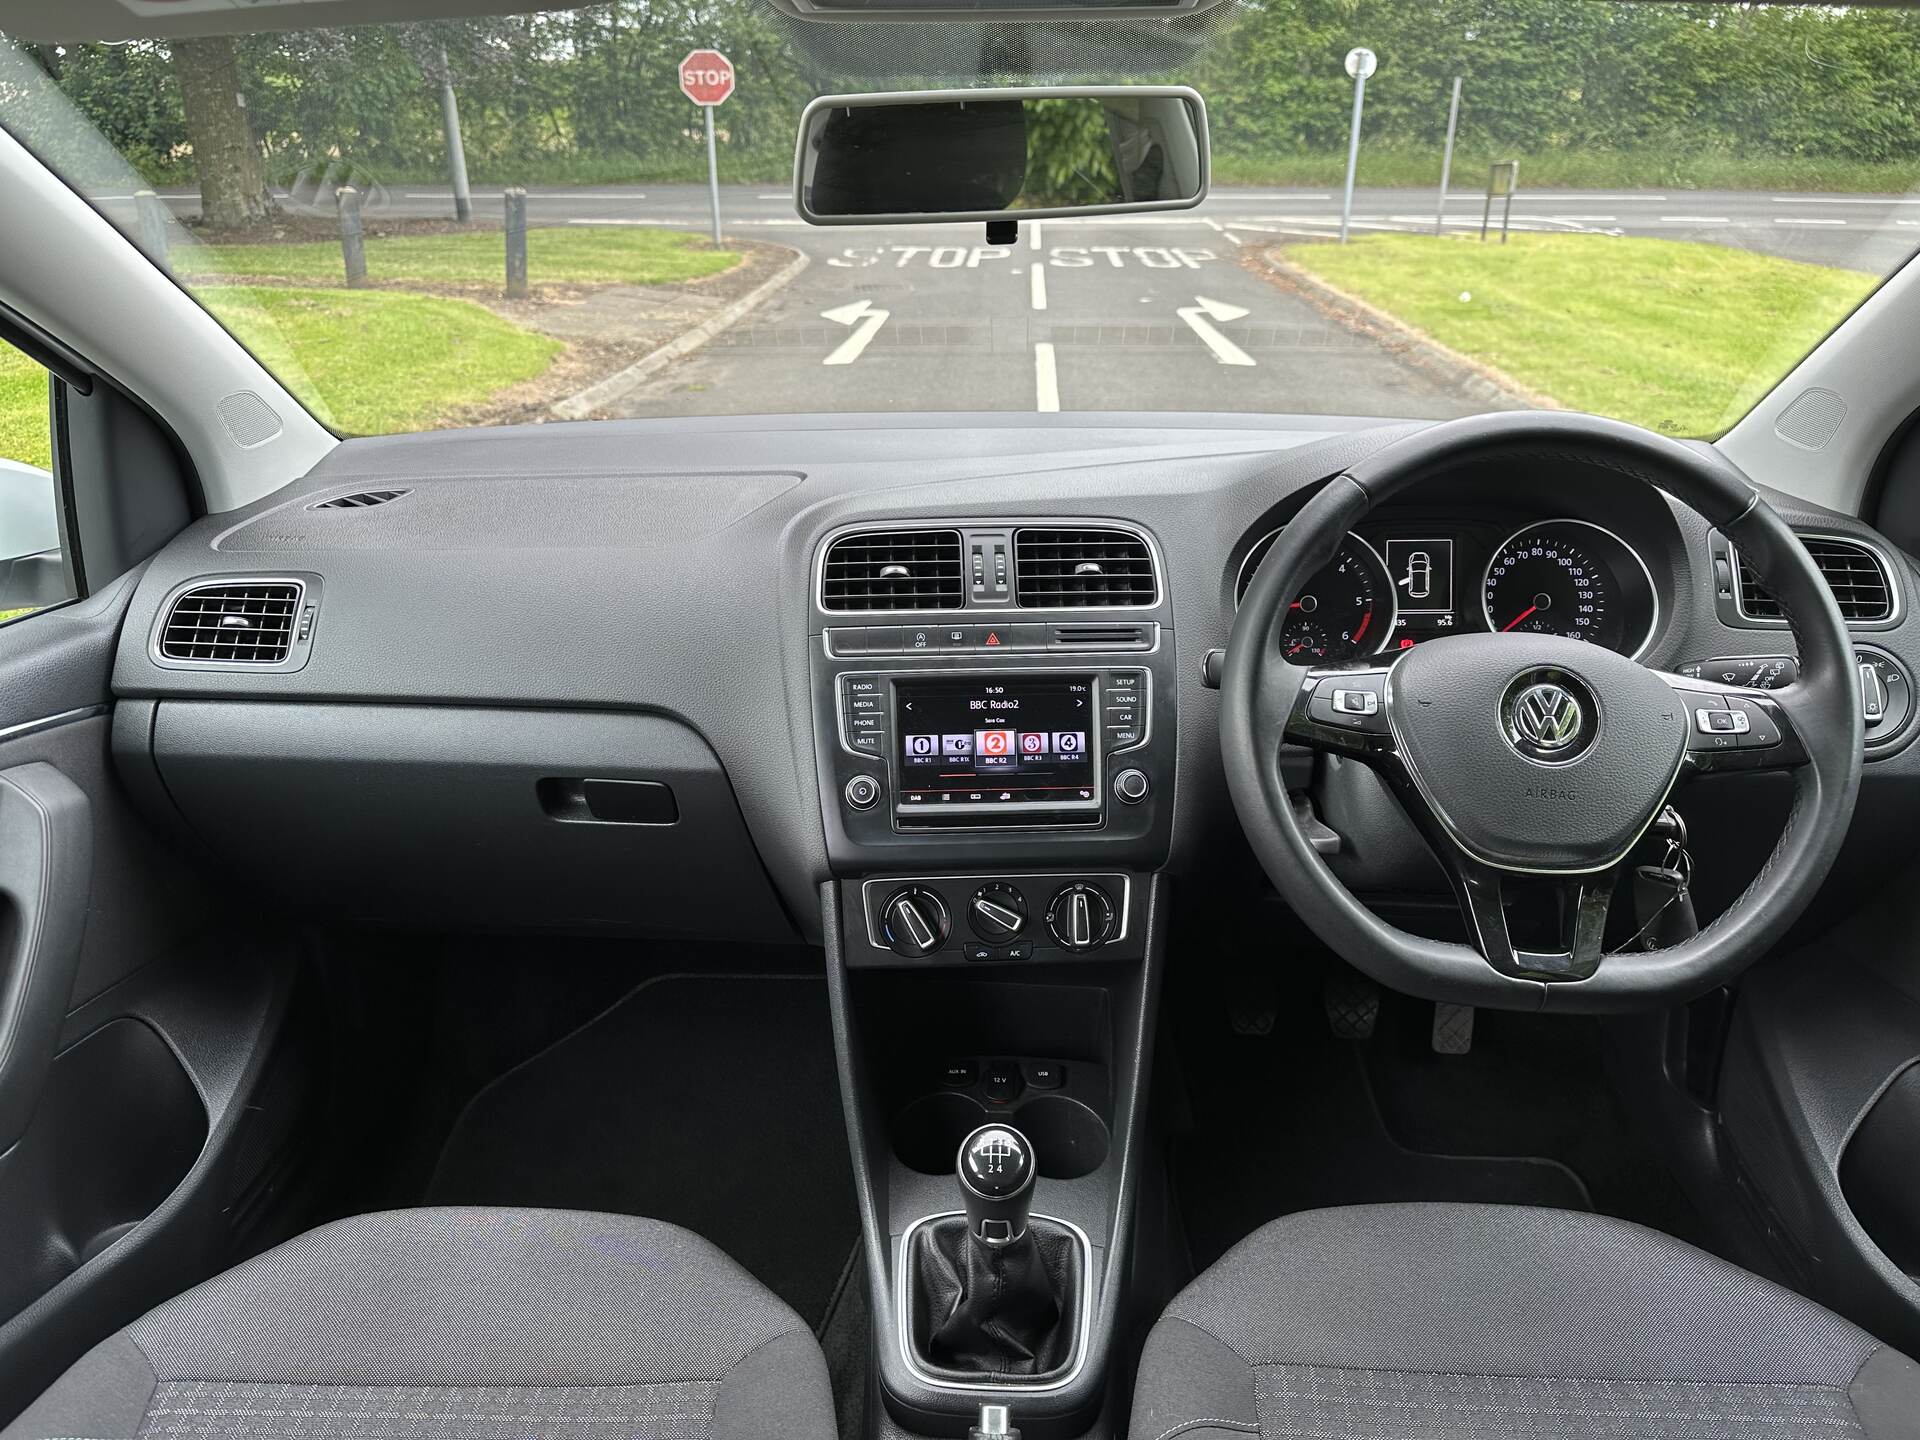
(1535, 760)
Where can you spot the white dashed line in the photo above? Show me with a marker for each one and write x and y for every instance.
(1802, 220)
(1694, 220)
(1046, 379)
(1037, 286)
(1033, 236)
(1840, 200)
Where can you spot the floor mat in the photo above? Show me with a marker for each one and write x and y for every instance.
(1287, 1121)
(707, 1101)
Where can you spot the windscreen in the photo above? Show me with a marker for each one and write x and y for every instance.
(1648, 211)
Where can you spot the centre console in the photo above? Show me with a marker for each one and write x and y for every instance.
(994, 708)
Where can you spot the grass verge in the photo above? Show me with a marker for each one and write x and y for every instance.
(1677, 336)
(23, 410)
(575, 254)
(372, 362)
(1419, 167)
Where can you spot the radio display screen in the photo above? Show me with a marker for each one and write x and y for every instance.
(997, 741)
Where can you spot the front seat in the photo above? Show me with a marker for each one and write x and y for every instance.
(458, 1324)
(1457, 1322)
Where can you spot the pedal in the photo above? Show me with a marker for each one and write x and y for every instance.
(1452, 1029)
(1253, 1005)
(1353, 1005)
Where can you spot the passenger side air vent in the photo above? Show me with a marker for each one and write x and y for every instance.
(1059, 569)
(360, 501)
(1859, 582)
(232, 624)
(894, 570)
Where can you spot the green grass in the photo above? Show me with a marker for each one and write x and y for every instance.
(23, 410)
(373, 362)
(1675, 169)
(1677, 336)
(630, 255)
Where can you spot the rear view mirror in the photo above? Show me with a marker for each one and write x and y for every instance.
(1021, 154)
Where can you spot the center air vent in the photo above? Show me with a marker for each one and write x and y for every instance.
(245, 623)
(359, 501)
(1860, 584)
(1060, 569)
(893, 570)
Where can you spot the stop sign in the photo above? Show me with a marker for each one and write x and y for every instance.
(706, 77)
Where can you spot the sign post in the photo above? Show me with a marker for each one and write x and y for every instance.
(706, 78)
(1361, 62)
(1502, 180)
(1446, 160)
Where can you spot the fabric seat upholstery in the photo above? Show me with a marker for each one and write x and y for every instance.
(1456, 1322)
(458, 1324)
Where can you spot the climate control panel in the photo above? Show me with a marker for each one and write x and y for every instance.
(991, 919)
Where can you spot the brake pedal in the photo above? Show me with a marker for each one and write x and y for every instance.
(1452, 1029)
(1353, 1005)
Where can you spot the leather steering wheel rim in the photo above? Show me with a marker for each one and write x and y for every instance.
(1822, 706)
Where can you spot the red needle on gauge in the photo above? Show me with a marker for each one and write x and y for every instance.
(1518, 618)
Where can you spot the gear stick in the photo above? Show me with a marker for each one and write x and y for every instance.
(996, 1181)
(995, 1292)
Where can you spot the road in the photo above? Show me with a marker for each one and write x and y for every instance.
(1159, 311)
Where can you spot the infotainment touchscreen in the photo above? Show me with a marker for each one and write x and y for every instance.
(982, 742)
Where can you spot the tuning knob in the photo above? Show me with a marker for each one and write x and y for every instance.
(915, 922)
(1080, 917)
(997, 912)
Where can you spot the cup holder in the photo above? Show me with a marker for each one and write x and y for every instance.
(1069, 1139)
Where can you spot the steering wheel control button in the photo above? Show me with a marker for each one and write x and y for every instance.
(1351, 702)
(914, 922)
(1044, 1074)
(1130, 787)
(1755, 730)
(1721, 722)
(1081, 917)
(863, 792)
(996, 913)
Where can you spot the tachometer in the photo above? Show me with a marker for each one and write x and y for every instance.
(1571, 578)
(1346, 609)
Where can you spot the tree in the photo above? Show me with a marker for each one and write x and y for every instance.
(233, 184)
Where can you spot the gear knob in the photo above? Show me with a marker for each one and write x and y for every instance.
(996, 1170)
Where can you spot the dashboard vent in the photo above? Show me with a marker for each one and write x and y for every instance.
(1854, 573)
(235, 624)
(894, 570)
(1060, 569)
(360, 501)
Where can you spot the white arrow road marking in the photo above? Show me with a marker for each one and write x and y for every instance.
(867, 322)
(1198, 316)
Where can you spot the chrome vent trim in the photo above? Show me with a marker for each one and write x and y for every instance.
(1859, 576)
(231, 622)
(1083, 567)
(360, 500)
(876, 571)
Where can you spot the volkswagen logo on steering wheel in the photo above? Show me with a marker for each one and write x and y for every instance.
(1547, 722)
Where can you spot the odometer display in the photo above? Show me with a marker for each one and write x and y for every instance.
(1564, 577)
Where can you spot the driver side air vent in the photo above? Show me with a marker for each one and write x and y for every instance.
(1859, 582)
(232, 624)
(359, 501)
(1057, 569)
(893, 570)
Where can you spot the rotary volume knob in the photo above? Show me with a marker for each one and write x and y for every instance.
(1081, 917)
(915, 922)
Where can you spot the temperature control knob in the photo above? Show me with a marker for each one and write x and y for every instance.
(914, 922)
(1081, 917)
(997, 912)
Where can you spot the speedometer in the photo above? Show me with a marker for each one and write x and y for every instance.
(1565, 577)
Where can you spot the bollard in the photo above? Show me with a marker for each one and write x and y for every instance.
(516, 198)
(353, 243)
(152, 215)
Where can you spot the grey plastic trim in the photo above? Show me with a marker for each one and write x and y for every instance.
(1081, 1339)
